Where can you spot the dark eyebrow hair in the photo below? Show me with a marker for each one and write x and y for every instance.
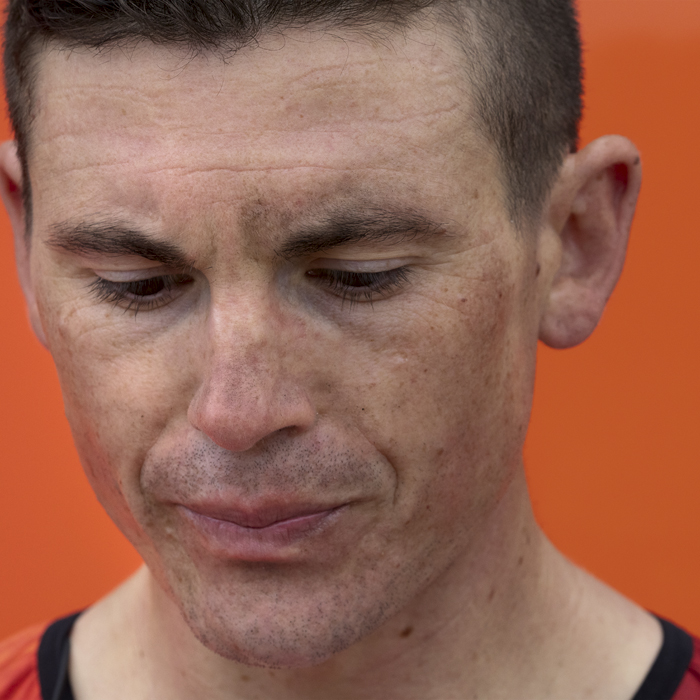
(113, 238)
(370, 225)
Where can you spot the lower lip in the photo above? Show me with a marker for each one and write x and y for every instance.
(262, 544)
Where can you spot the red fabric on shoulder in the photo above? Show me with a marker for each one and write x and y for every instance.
(19, 677)
(689, 689)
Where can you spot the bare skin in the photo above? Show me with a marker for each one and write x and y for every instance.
(366, 394)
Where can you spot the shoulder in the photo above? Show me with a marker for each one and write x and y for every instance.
(689, 689)
(19, 679)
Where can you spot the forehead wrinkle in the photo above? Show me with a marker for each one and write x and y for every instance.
(271, 168)
(214, 170)
(347, 70)
(222, 152)
(220, 156)
(329, 123)
(180, 135)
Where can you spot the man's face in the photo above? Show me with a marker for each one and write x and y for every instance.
(293, 323)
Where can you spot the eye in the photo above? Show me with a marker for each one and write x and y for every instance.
(140, 295)
(357, 287)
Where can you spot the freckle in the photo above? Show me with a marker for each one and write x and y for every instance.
(492, 593)
(520, 561)
(476, 194)
(441, 451)
(245, 678)
(123, 110)
(407, 632)
(463, 300)
(425, 371)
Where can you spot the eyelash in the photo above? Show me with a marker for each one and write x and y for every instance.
(139, 295)
(358, 287)
(153, 292)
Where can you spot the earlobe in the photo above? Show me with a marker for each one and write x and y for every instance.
(592, 209)
(11, 192)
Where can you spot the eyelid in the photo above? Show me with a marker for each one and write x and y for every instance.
(368, 266)
(129, 294)
(137, 275)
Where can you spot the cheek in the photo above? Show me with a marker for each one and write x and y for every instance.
(445, 395)
(120, 396)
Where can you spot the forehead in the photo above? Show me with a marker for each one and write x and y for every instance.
(294, 119)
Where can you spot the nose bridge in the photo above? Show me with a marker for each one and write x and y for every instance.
(249, 386)
(242, 329)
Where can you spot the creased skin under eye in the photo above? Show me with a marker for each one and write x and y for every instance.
(358, 287)
(139, 295)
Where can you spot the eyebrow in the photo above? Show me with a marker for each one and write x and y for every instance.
(369, 226)
(114, 239)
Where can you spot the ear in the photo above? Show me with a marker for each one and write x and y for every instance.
(591, 209)
(11, 192)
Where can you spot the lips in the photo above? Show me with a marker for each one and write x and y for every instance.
(262, 516)
(270, 532)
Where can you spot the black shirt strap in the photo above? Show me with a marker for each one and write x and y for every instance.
(670, 666)
(52, 660)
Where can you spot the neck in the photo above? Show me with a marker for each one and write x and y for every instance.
(507, 616)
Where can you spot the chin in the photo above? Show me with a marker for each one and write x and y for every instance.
(284, 621)
(280, 638)
(275, 652)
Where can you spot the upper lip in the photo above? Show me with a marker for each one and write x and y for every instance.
(259, 516)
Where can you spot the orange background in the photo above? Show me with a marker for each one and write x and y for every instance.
(613, 449)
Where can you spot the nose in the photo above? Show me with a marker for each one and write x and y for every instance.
(250, 385)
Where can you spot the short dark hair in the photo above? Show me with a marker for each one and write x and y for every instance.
(524, 55)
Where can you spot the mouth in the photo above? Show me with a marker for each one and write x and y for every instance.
(263, 534)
